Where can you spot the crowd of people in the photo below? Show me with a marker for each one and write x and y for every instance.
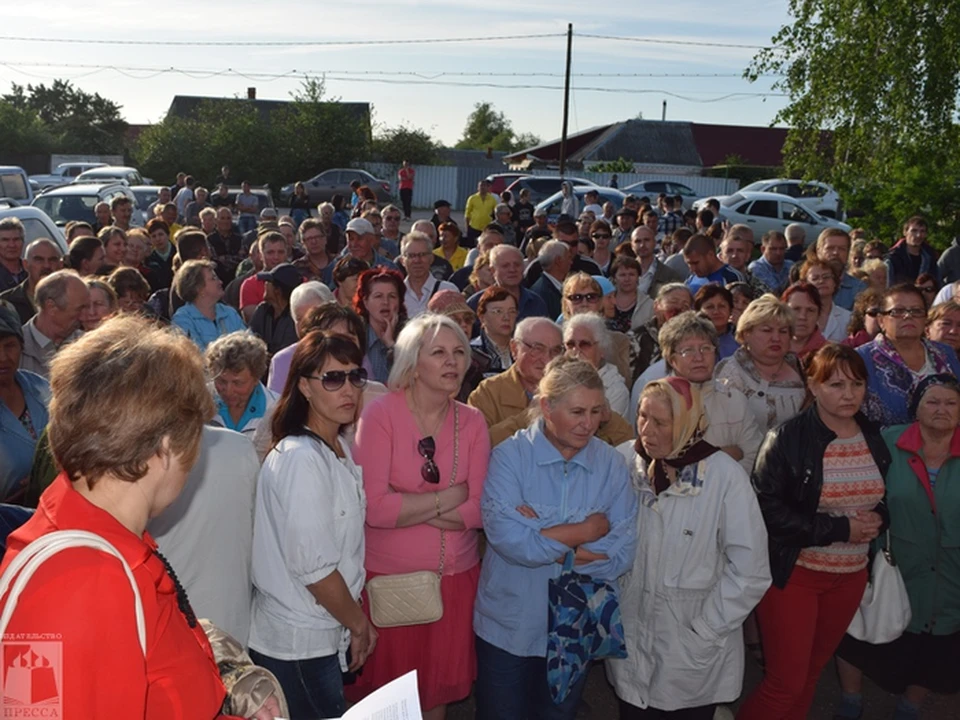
(360, 451)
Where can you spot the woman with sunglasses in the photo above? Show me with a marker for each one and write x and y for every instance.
(582, 293)
(586, 337)
(308, 533)
(864, 322)
(601, 234)
(424, 458)
(900, 356)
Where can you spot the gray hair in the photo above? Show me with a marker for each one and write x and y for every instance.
(528, 325)
(501, 250)
(551, 251)
(235, 352)
(40, 242)
(502, 207)
(12, 223)
(208, 212)
(390, 208)
(596, 325)
(682, 327)
(412, 237)
(565, 374)
(427, 228)
(311, 294)
(54, 287)
(326, 207)
(406, 351)
(672, 288)
(795, 232)
(190, 279)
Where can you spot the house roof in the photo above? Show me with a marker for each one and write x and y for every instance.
(188, 105)
(762, 146)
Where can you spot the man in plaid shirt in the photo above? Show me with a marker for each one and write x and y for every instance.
(670, 220)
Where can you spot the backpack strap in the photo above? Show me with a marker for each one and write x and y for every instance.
(40, 550)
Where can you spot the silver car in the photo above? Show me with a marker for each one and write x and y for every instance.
(764, 211)
(77, 202)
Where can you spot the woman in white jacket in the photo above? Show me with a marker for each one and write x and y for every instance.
(701, 564)
(586, 337)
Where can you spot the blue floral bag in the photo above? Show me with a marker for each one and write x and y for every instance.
(583, 624)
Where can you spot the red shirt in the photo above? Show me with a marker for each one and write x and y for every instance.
(406, 177)
(83, 597)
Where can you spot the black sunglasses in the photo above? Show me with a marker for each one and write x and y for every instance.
(584, 297)
(334, 379)
(429, 471)
(601, 236)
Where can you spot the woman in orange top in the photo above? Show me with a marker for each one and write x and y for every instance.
(125, 447)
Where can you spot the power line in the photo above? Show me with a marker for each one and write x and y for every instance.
(672, 41)
(277, 43)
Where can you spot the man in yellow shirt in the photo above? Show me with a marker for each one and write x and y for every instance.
(479, 212)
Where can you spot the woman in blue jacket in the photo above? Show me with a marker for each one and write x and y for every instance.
(551, 489)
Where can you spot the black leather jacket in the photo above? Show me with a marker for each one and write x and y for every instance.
(788, 477)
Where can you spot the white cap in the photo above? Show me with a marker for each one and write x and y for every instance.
(361, 226)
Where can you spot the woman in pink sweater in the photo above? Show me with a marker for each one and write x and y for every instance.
(424, 458)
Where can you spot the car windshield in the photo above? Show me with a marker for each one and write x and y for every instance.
(145, 198)
(13, 186)
(64, 208)
(755, 186)
(34, 229)
(731, 200)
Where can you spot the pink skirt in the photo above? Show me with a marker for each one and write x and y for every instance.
(442, 653)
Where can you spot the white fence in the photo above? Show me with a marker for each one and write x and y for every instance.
(456, 184)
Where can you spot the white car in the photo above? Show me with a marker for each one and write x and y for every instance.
(816, 196)
(64, 173)
(652, 188)
(764, 211)
(36, 224)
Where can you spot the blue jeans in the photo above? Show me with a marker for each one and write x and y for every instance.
(313, 688)
(515, 688)
(246, 223)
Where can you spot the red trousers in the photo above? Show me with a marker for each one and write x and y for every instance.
(801, 627)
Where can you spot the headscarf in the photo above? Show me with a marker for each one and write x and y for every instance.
(937, 380)
(689, 424)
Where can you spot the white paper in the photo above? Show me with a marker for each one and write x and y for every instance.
(397, 700)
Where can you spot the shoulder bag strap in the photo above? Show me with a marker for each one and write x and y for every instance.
(40, 550)
(453, 477)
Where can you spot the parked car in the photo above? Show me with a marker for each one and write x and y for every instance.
(15, 184)
(36, 223)
(130, 175)
(502, 181)
(764, 211)
(652, 188)
(543, 186)
(76, 201)
(146, 195)
(64, 173)
(816, 196)
(552, 203)
(324, 186)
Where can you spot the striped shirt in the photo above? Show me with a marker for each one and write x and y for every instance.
(851, 483)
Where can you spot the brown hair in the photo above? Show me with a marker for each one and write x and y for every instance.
(835, 268)
(807, 289)
(710, 291)
(833, 357)
(158, 224)
(325, 316)
(125, 280)
(365, 286)
(118, 392)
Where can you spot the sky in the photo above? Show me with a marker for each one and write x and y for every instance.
(402, 82)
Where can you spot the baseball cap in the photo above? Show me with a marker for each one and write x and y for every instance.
(361, 226)
(448, 302)
(283, 274)
(269, 213)
(440, 204)
(10, 321)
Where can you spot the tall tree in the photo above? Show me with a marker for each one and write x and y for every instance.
(882, 78)
(489, 128)
(396, 144)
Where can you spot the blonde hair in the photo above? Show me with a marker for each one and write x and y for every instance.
(565, 374)
(406, 351)
(766, 308)
(938, 311)
(573, 282)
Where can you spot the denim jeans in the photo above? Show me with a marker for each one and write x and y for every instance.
(313, 687)
(246, 223)
(515, 688)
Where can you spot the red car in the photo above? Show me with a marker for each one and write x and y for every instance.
(502, 181)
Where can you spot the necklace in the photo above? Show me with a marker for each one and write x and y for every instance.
(418, 415)
(182, 601)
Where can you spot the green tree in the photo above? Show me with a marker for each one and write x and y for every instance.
(489, 128)
(620, 165)
(396, 144)
(873, 88)
(23, 131)
(79, 122)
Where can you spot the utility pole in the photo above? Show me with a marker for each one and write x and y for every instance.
(566, 101)
(663, 117)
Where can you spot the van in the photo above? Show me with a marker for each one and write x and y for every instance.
(15, 185)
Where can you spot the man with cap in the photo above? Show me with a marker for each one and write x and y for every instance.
(61, 297)
(273, 251)
(43, 258)
(479, 211)
(361, 238)
(416, 253)
(441, 213)
(272, 321)
(626, 222)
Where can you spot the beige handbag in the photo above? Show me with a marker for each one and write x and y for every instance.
(413, 598)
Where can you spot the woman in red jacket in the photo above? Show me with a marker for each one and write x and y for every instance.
(129, 404)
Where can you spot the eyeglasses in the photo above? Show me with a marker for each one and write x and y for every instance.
(904, 313)
(392, 217)
(542, 350)
(334, 379)
(601, 236)
(580, 344)
(429, 471)
(873, 312)
(578, 298)
(417, 256)
(508, 312)
(702, 350)
(926, 288)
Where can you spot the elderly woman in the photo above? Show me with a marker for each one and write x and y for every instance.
(203, 318)
(481, 278)
(583, 294)
(900, 356)
(308, 532)
(864, 318)
(332, 231)
(452, 304)
(24, 397)
(424, 458)
(876, 271)
(236, 362)
(114, 241)
(379, 301)
(819, 480)
(125, 451)
(943, 324)
(497, 312)
(924, 517)
(805, 302)
(690, 590)
(103, 304)
(715, 302)
(533, 520)
(449, 248)
(586, 337)
(825, 277)
(763, 368)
